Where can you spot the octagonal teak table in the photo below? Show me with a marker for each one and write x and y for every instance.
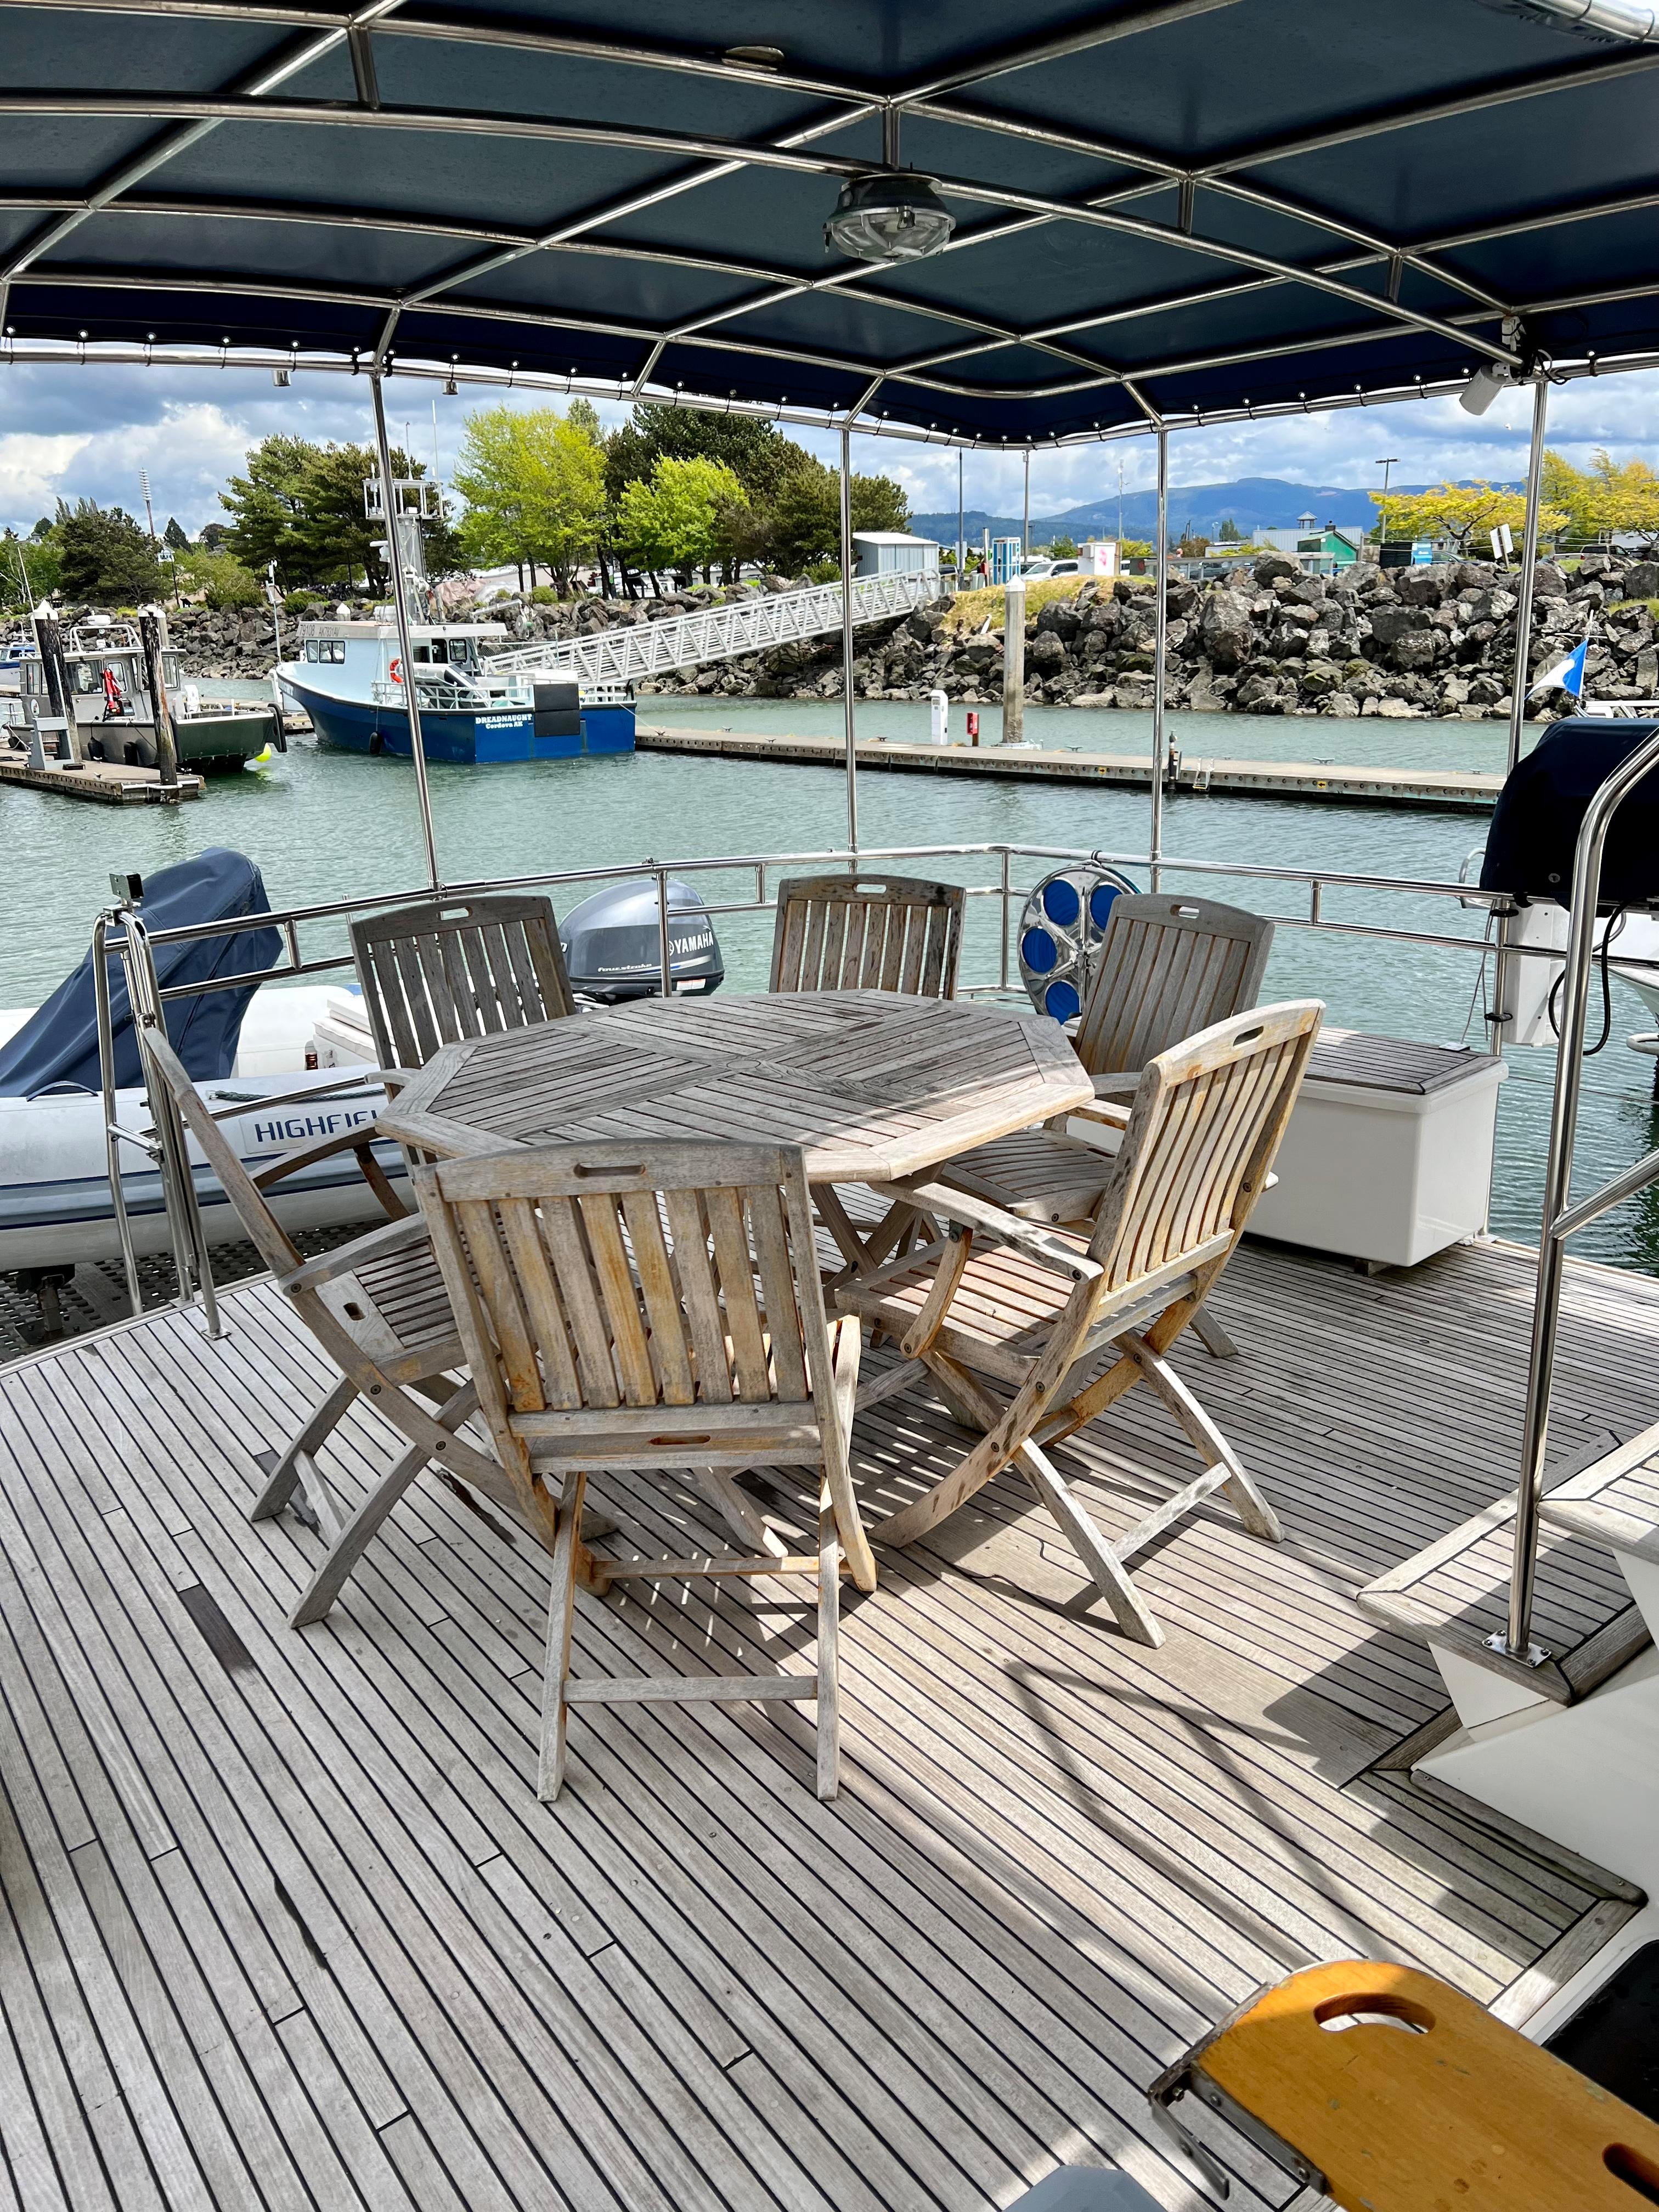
(873, 1086)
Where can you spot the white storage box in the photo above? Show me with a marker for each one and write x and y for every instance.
(1388, 1154)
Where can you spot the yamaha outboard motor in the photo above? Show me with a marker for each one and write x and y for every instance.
(1541, 810)
(612, 948)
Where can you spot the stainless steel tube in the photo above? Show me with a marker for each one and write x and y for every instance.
(113, 1142)
(1524, 598)
(1516, 1638)
(405, 642)
(847, 637)
(1160, 660)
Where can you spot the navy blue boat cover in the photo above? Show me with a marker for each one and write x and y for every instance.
(58, 1050)
(1541, 810)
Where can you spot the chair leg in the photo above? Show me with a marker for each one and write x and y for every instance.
(1213, 1447)
(348, 1547)
(1212, 1335)
(560, 1618)
(975, 1409)
(283, 1471)
(739, 1513)
(828, 1700)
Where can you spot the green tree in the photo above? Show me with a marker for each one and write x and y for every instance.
(681, 519)
(533, 481)
(1608, 498)
(1463, 513)
(1229, 533)
(1062, 549)
(105, 558)
(299, 509)
(220, 577)
(29, 572)
(805, 517)
(173, 535)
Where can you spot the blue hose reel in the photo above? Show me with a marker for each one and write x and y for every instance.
(1060, 933)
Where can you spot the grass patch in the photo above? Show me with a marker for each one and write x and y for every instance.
(968, 609)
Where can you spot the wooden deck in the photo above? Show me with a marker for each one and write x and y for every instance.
(282, 1924)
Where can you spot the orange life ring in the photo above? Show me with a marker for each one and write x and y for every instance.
(397, 669)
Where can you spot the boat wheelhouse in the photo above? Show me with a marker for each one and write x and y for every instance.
(349, 677)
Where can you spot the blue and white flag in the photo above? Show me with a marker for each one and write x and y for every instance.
(1567, 675)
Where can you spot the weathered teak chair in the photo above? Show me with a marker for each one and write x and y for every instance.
(1035, 1308)
(868, 934)
(447, 969)
(379, 1309)
(1168, 966)
(655, 1308)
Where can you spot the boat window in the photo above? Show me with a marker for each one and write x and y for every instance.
(332, 649)
(463, 651)
(311, 648)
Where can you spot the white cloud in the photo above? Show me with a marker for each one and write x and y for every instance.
(87, 432)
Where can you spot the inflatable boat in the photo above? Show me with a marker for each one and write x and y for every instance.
(243, 1047)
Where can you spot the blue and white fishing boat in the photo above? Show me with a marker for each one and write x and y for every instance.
(349, 678)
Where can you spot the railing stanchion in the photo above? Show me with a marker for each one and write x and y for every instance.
(106, 1085)
(1515, 1640)
(664, 950)
(1002, 969)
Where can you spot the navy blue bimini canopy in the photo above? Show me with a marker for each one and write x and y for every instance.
(1165, 209)
(58, 1050)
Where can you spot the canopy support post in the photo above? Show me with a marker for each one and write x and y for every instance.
(1514, 1641)
(846, 635)
(1160, 662)
(1025, 513)
(1519, 688)
(405, 641)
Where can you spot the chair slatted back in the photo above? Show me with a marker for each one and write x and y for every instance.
(436, 974)
(610, 1278)
(1169, 967)
(1206, 1122)
(868, 934)
(264, 1231)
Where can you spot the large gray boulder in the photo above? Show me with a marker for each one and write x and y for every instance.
(1390, 624)
(1227, 632)
(1272, 565)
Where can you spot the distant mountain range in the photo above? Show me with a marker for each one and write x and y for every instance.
(1252, 502)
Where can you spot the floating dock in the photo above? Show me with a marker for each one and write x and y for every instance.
(1249, 779)
(105, 783)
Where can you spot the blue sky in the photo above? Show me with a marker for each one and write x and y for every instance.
(89, 430)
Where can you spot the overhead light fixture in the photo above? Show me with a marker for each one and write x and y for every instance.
(1484, 387)
(1610, 22)
(451, 388)
(281, 378)
(891, 213)
(889, 218)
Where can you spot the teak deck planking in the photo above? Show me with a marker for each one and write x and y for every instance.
(281, 1922)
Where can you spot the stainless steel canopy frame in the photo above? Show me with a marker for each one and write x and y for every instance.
(1561, 1217)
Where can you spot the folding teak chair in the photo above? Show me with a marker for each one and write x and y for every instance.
(648, 1309)
(379, 1309)
(447, 969)
(1001, 1299)
(868, 934)
(1168, 966)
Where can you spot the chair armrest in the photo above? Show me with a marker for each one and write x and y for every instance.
(1112, 1117)
(438, 1134)
(360, 1140)
(365, 1078)
(980, 1214)
(1123, 1085)
(346, 1259)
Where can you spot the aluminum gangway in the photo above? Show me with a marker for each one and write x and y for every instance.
(721, 633)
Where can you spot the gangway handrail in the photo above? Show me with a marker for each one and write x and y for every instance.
(635, 650)
(1561, 1218)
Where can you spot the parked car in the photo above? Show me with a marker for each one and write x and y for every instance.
(1036, 569)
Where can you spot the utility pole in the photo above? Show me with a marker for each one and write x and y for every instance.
(1119, 517)
(1390, 461)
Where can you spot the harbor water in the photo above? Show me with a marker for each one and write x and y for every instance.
(325, 825)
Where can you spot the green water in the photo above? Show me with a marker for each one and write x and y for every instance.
(325, 825)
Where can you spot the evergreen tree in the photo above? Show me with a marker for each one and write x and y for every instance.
(173, 535)
(104, 558)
